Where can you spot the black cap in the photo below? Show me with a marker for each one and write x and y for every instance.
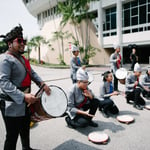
(13, 34)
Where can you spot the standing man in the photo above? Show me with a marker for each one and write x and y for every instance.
(133, 58)
(115, 60)
(15, 86)
(75, 63)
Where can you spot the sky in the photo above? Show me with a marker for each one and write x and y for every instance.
(14, 12)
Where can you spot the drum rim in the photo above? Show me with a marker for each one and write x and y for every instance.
(147, 106)
(122, 77)
(66, 101)
(102, 141)
(132, 119)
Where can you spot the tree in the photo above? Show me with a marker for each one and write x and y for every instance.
(36, 43)
(75, 12)
(59, 35)
(3, 47)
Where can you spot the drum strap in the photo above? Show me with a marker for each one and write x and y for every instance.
(81, 104)
(138, 81)
(119, 62)
(24, 65)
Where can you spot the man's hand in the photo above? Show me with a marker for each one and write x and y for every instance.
(30, 98)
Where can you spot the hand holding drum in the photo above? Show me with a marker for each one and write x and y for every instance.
(31, 99)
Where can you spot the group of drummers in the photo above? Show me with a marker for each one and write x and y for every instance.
(81, 98)
(17, 101)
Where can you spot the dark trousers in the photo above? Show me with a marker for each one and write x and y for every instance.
(16, 126)
(132, 65)
(135, 97)
(108, 106)
(146, 93)
(73, 80)
(83, 121)
(115, 85)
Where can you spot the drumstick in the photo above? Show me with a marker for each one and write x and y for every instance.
(36, 94)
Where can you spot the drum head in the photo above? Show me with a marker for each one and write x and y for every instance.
(98, 137)
(125, 119)
(147, 107)
(121, 73)
(55, 104)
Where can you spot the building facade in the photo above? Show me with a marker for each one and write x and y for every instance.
(126, 22)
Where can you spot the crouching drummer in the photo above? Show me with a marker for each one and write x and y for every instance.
(82, 104)
(146, 83)
(134, 89)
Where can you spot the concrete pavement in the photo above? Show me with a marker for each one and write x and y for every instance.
(53, 134)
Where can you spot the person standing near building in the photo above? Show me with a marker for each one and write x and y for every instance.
(133, 58)
(15, 87)
(115, 60)
(75, 63)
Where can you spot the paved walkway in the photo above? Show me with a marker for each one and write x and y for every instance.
(53, 134)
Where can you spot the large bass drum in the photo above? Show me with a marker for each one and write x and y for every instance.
(49, 106)
(121, 75)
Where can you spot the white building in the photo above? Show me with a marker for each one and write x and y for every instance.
(116, 21)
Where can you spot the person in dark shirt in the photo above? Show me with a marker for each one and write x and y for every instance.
(133, 58)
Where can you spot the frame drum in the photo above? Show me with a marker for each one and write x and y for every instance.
(147, 107)
(121, 75)
(125, 119)
(50, 106)
(98, 137)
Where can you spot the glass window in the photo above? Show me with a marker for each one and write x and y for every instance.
(113, 21)
(142, 2)
(126, 18)
(134, 11)
(134, 3)
(148, 7)
(134, 30)
(142, 14)
(108, 26)
(134, 20)
(113, 10)
(126, 31)
(127, 6)
(107, 18)
(148, 18)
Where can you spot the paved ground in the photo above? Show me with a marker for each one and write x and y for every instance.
(53, 134)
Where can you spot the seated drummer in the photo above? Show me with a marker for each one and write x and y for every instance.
(133, 89)
(106, 91)
(146, 83)
(82, 104)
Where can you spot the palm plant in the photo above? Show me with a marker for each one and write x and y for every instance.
(75, 11)
(36, 43)
(59, 35)
(3, 46)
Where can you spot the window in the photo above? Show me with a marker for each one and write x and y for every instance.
(142, 14)
(126, 18)
(110, 18)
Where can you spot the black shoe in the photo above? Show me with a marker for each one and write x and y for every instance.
(68, 121)
(93, 124)
(129, 102)
(104, 114)
(139, 107)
